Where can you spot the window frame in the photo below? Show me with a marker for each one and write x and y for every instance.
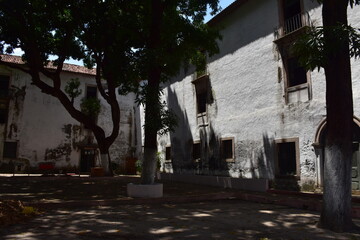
(222, 140)
(90, 86)
(202, 86)
(297, 156)
(286, 53)
(281, 4)
(168, 147)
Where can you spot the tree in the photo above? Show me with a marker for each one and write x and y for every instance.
(174, 34)
(331, 47)
(125, 40)
(94, 31)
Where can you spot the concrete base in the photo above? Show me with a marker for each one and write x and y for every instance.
(145, 191)
(259, 185)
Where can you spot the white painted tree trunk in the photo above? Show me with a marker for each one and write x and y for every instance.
(105, 163)
(336, 212)
(149, 166)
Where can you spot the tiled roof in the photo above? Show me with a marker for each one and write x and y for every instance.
(67, 67)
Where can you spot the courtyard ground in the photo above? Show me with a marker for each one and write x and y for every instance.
(98, 208)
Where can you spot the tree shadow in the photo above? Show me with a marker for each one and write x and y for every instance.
(229, 219)
(183, 142)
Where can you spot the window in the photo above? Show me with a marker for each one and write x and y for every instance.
(292, 18)
(297, 81)
(10, 150)
(203, 98)
(3, 111)
(227, 149)
(91, 92)
(296, 74)
(196, 152)
(4, 86)
(287, 157)
(168, 154)
(201, 88)
(291, 8)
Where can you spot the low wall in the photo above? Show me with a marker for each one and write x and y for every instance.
(259, 185)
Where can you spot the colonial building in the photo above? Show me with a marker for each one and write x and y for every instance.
(255, 113)
(35, 129)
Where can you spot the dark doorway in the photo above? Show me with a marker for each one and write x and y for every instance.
(87, 160)
(287, 158)
(291, 8)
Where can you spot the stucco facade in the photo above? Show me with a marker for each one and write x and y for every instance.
(37, 128)
(254, 114)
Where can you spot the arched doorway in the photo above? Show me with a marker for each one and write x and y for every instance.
(319, 150)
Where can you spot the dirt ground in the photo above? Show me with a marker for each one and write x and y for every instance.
(120, 218)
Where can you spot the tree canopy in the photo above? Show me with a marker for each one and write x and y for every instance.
(126, 41)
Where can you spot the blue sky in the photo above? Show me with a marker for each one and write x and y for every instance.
(223, 4)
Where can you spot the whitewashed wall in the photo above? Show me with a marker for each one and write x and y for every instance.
(46, 132)
(249, 103)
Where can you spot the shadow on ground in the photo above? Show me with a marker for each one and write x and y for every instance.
(228, 219)
(225, 219)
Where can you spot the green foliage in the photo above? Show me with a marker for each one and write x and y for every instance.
(314, 51)
(29, 210)
(158, 160)
(72, 88)
(199, 61)
(353, 2)
(90, 107)
(166, 120)
(138, 166)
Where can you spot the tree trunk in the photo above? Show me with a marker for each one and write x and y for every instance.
(152, 108)
(152, 115)
(106, 163)
(336, 211)
(105, 160)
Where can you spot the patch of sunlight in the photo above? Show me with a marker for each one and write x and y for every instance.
(288, 224)
(15, 194)
(85, 213)
(166, 230)
(82, 232)
(51, 200)
(63, 212)
(25, 235)
(302, 215)
(201, 215)
(269, 224)
(108, 222)
(182, 218)
(88, 183)
(266, 211)
(113, 231)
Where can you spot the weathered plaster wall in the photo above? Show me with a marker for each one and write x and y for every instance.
(47, 133)
(248, 101)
